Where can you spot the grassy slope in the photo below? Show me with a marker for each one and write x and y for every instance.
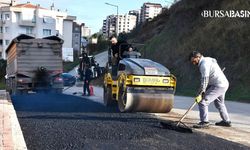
(181, 29)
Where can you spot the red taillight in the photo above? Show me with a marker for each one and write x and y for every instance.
(20, 80)
(58, 79)
(57, 72)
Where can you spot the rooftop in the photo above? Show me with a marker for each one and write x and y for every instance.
(28, 5)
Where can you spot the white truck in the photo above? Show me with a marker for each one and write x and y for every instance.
(34, 64)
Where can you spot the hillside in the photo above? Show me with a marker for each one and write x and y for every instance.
(171, 36)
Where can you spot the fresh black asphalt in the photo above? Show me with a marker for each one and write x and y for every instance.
(58, 122)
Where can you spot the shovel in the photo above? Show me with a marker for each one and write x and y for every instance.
(180, 126)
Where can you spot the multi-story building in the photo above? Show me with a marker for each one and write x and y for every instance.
(109, 25)
(35, 21)
(125, 23)
(137, 14)
(104, 27)
(86, 31)
(149, 11)
(76, 40)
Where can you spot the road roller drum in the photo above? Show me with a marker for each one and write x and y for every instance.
(140, 85)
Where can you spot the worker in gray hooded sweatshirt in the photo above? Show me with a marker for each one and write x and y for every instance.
(214, 85)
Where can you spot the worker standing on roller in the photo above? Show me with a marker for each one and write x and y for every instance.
(117, 48)
(214, 85)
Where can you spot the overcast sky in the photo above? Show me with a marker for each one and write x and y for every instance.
(93, 12)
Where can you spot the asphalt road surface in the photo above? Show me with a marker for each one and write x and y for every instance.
(51, 122)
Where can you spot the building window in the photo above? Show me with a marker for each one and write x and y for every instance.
(6, 29)
(17, 16)
(34, 19)
(1, 42)
(7, 42)
(57, 32)
(48, 19)
(46, 32)
(7, 16)
(1, 29)
(29, 30)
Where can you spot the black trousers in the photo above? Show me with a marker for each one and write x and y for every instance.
(86, 87)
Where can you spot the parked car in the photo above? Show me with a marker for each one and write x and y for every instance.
(68, 79)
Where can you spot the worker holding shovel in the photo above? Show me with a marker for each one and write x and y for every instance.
(214, 85)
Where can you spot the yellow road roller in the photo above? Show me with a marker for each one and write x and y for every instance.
(139, 85)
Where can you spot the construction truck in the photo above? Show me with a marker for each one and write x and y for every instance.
(34, 64)
(140, 85)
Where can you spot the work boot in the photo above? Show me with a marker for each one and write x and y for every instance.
(223, 123)
(202, 124)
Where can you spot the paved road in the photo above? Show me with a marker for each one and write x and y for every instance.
(70, 122)
(239, 113)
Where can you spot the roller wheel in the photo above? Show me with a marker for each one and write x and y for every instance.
(122, 96)
(107, 96)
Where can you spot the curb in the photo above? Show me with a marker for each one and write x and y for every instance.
(11, 136)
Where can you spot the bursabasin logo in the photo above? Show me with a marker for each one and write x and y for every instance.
(225, 13)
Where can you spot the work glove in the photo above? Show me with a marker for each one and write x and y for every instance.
(198, 98)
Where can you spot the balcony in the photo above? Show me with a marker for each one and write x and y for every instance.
(30, 23)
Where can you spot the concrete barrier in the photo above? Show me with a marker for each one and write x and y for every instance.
(11, 136)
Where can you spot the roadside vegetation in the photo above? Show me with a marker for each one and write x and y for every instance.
(170, 37)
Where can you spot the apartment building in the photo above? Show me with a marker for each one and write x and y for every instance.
(137, 14)
(86, 31)
(77, 36)
(149, 11)
(124, 23)
(109, 25)
(35, 21)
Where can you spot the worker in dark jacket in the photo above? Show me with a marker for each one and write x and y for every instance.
(87, 79)
(117, 48)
